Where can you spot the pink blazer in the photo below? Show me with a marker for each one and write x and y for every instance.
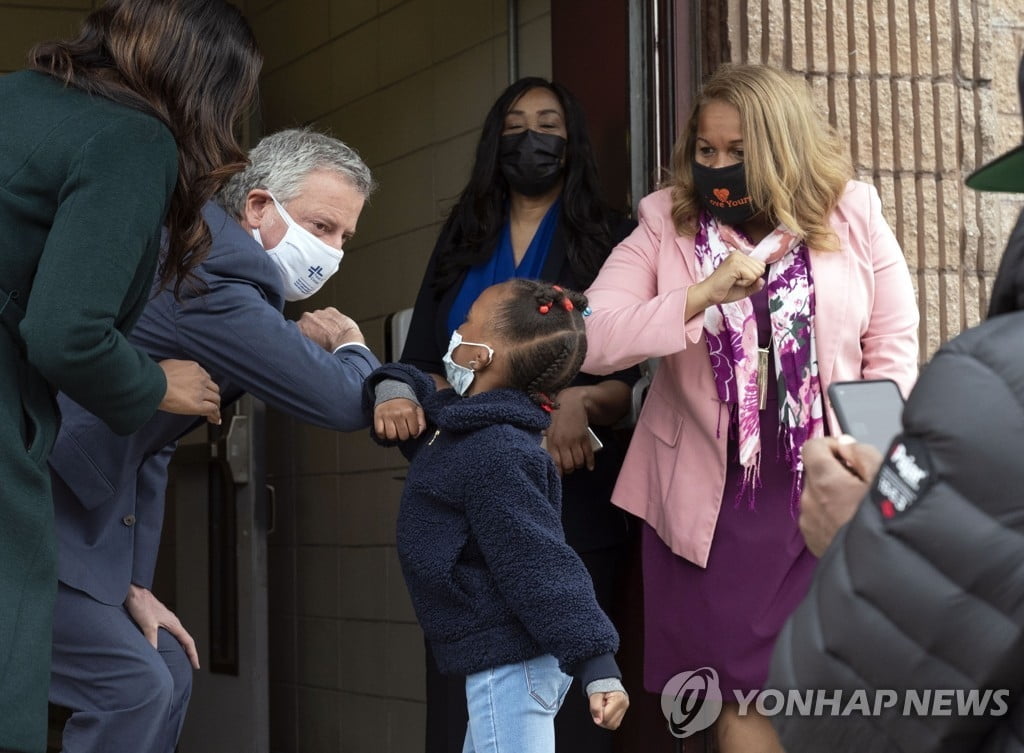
(674, 473)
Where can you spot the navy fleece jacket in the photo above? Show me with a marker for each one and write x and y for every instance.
(480, 538)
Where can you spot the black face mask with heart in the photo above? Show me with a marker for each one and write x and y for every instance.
(531, 162)
(723, 192)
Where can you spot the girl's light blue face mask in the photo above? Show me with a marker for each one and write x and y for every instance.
(459, 376)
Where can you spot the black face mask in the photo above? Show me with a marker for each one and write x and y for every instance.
(723, 192)
(531, 162)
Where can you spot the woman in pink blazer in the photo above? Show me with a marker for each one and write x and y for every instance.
(761, 274)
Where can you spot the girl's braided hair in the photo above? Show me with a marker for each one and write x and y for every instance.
(543, 324)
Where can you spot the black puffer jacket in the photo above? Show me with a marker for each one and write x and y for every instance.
(924, 588)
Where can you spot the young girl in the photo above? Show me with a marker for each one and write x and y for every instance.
(501, 597)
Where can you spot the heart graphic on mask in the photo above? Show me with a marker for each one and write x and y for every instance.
(722, 194)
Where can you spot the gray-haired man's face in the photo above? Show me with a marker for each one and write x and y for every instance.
(327, 205)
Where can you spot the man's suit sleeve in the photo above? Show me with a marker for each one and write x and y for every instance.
(234, 332)
(150, 490)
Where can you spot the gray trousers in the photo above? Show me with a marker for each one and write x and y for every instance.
(124, 695)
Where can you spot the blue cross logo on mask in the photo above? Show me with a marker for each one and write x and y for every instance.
(315, 273)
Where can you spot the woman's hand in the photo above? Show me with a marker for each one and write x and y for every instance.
(398, 419)
(567, 438)
(607, 709)
(737, 277)
(191, 391)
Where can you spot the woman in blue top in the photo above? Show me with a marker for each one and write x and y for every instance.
(501, 597)
(532, 209)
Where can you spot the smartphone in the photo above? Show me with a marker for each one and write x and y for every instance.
(870, 410)
(595, 441)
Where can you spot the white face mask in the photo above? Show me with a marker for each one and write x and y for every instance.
(304, 261)
(459, 376)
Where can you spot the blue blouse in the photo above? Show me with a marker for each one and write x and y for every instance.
(501, 265)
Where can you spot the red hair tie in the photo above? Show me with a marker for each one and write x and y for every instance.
(547, 407)
(544, 308)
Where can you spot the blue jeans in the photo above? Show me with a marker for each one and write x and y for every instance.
(512, 708)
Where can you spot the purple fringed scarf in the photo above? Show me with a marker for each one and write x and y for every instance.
(731, 333)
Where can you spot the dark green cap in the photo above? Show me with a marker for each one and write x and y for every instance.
(1006, 172)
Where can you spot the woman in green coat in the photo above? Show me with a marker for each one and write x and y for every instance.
(103, 140)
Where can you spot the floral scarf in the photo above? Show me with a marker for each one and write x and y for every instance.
(731, 332)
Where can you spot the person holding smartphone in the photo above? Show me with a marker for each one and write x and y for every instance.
(920, 585)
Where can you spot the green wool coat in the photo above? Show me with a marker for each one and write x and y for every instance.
(84, 189)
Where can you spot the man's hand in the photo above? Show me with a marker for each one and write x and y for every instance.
(330, 328)
(607, 709)
(837, 475)
(398, 419)
(150, 615)
(568, 441)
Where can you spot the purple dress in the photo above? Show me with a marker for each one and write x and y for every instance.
(728, 615)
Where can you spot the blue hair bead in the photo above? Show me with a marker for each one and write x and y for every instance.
(587, 311)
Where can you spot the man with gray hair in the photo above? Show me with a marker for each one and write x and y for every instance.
(122, 661)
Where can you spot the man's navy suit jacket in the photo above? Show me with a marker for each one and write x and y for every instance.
(109, 489)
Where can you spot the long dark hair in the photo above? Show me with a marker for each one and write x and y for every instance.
(193, 64)
(543, 324)
(474, 222)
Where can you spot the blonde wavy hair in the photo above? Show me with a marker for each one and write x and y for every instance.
(797, 167)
